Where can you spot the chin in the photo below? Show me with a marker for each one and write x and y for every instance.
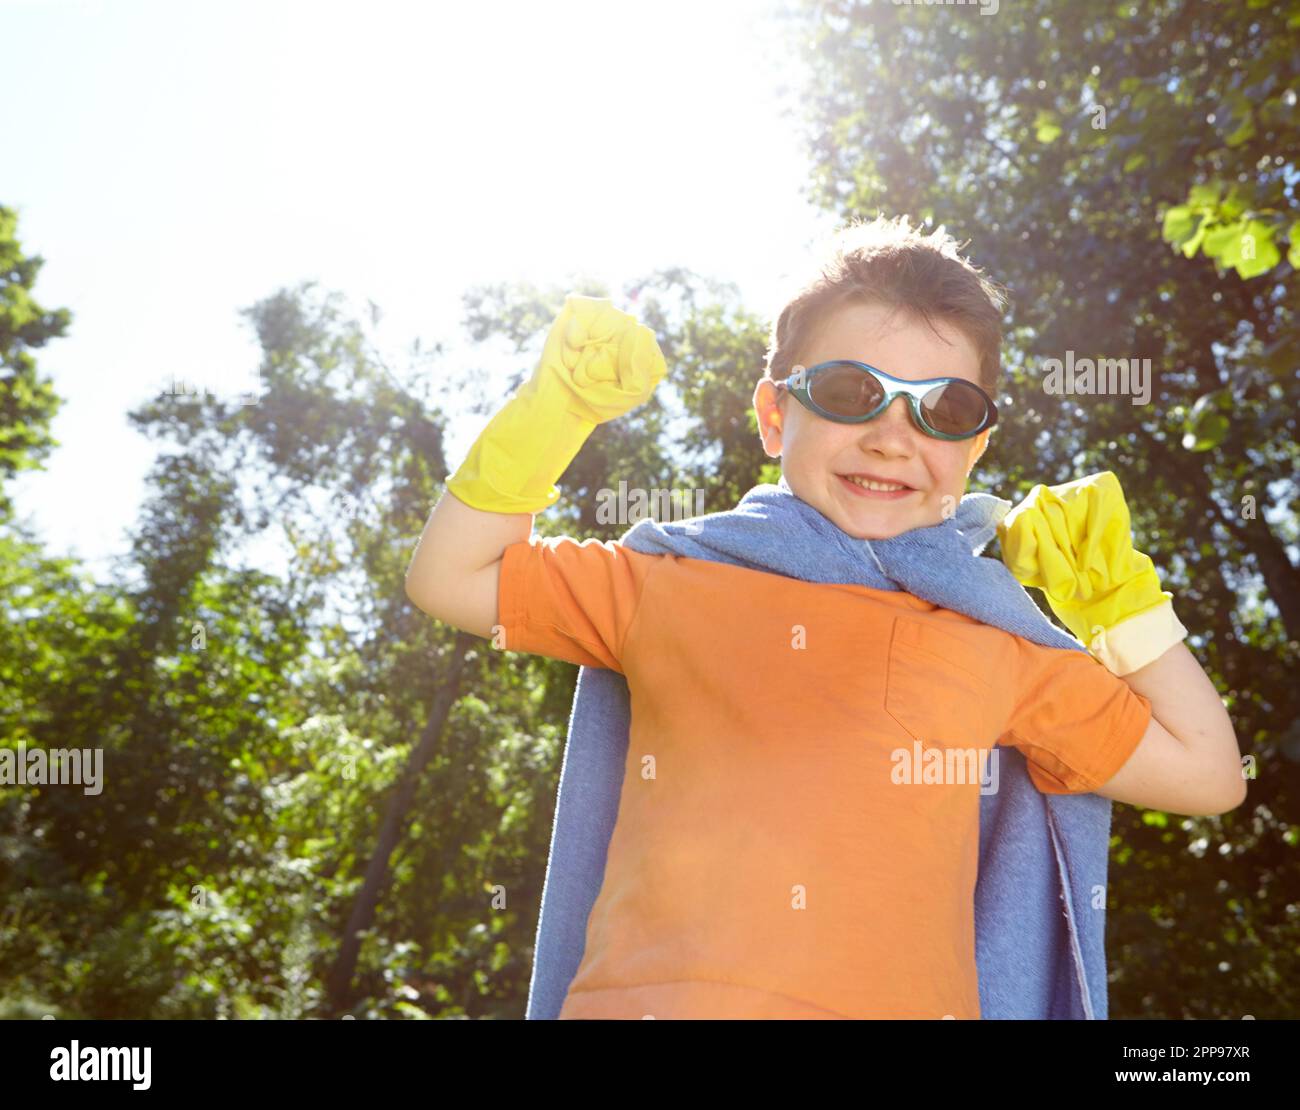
(879, 532)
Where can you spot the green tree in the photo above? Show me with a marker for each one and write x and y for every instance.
(28, 402)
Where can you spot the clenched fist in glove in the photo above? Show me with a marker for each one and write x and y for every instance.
(597, 364)
(1074, 542)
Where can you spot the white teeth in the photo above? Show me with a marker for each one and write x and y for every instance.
(884, 487)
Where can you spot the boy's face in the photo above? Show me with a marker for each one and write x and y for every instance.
(815, 452)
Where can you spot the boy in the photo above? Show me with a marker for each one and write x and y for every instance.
(766, 862)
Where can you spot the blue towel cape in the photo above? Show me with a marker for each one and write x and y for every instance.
(1039, 898)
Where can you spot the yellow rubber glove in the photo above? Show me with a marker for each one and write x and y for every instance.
(597, 364)
(1075, 543)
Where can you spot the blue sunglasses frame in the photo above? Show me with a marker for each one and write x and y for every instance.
(892, 387)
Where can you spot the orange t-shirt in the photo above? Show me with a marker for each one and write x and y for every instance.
(781, 850)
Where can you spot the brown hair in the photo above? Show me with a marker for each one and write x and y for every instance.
(893, 263)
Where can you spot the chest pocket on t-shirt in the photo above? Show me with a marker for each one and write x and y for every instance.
(940, 686)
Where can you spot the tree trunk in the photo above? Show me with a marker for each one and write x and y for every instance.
(339, 983)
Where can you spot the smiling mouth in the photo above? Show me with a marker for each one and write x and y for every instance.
(877, 485)
(890, 491)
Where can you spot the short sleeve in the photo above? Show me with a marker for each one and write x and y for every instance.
(569, 600)
(1075, 721)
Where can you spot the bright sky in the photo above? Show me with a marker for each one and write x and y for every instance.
(176, 162)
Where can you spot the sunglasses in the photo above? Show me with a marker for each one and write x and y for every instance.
(851, 392)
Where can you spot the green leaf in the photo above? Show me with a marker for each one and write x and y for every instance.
(1046, 129)
(1193, 244)
(1208, 434)
(1263, 255)
(1179, 224)
(1234, 204)
(1224, 243)
(1244, 132)
(1206, 426)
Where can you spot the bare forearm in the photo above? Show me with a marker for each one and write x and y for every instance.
(1184, 701)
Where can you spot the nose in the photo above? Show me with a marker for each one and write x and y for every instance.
(892, 431)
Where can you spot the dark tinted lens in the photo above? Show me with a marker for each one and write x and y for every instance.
(845, 390)
(954, 408)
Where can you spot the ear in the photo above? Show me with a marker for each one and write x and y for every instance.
(980, 442)
(770, 413)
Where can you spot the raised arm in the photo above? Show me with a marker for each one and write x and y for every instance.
(597, 364)
(1074, 541)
